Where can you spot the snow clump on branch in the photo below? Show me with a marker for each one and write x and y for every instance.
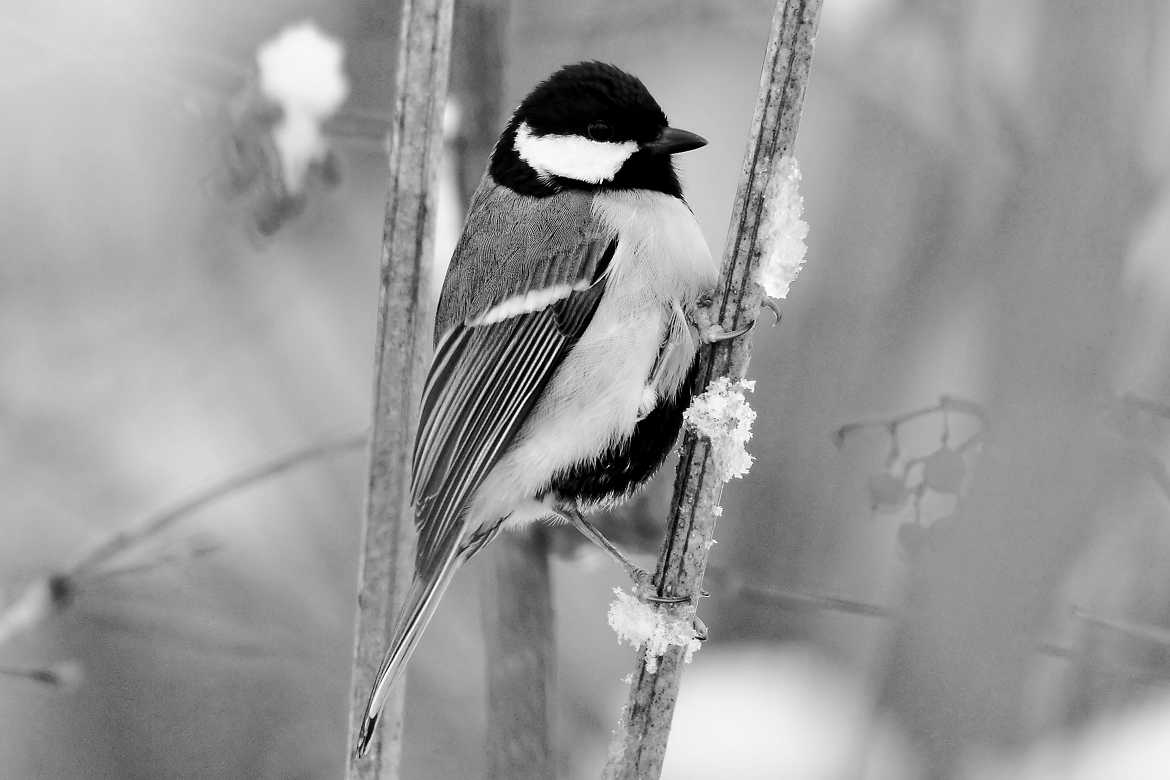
(723, 415)
(641, 625)
(782, 234)
(301, 72)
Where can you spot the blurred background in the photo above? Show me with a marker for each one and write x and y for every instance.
(989, 598)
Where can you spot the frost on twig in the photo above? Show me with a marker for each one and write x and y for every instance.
(643, 626)
(722, 414)
(782, 234)
(301, 72)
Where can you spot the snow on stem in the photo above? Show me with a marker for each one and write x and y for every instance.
(707, 461)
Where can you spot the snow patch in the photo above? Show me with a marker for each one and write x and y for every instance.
(301, 71)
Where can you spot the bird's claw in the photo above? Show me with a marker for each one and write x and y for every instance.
(715, 333)
(644, 587)
(772, 306)
(712, 332)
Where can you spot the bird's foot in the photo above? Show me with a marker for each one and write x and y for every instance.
(645, 590)
(712, 332)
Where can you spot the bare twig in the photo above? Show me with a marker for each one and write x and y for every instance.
(806, 602)
(520, 649)
(188, 553)
(401, 345)
(124, 540)
(1146, 632)
(127, 539)
(640, 743)
(945, 403)
(66, 674)
(47, 596)
(516, 599)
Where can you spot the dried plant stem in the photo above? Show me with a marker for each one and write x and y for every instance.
(401, 345)
(640, 743)
(516, 598)
(152, 526)
(945, 403)
(51, 594)
(520, 650)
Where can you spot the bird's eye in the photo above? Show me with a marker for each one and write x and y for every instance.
(599, 131)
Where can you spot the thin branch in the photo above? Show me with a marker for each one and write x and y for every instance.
(814, 602)
(516, 597)
(946, 403)
(46, 597)
(639, 744)
(66, 674)
(127, 539)
(1145, 632)
(185, 555)
(401, 345)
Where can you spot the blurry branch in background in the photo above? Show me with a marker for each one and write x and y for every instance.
(516, 600)
(126, 539)
(639, 744)
(401, 345)
(1141, 631)
(945, 404)
(731, 585)
(67, 674)
(49, 596)
(903, 480)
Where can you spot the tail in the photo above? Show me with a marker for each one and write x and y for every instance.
(421, 602)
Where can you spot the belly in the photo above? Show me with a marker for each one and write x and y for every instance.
(618, 472)
(590, 406)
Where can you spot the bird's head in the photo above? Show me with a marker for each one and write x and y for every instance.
(590, 125)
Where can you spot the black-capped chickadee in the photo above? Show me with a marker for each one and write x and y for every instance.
(563, 351)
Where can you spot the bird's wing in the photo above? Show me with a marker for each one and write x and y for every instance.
(523, 285)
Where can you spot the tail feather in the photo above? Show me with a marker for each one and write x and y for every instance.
(421, 602)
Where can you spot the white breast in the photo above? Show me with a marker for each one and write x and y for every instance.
(593, 400)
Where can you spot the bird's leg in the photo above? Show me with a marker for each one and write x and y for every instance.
(641, 577)
(711, 332)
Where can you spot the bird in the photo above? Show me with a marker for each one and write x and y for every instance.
(565, 345)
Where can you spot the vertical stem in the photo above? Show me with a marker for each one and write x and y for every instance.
(520, 649)
(516, 597)
(639, 745)
(400, 348)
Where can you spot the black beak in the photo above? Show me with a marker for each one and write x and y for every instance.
(673, 141)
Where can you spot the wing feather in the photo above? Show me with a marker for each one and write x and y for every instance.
(487, 377)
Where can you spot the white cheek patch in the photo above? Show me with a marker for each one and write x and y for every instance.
(572, 156)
